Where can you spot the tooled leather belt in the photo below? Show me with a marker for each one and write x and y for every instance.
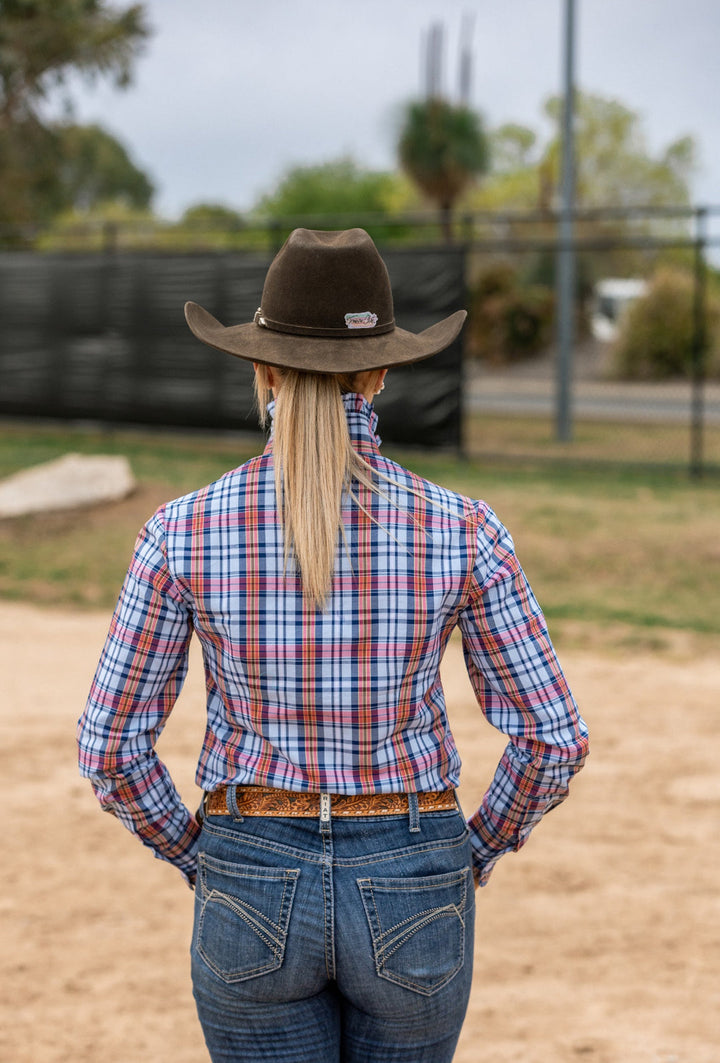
(268, 801)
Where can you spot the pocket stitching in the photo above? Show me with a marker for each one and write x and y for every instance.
(432, 914)
(276, 947)
(255, 925)
(366, 886)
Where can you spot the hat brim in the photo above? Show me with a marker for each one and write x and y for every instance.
(321, 354)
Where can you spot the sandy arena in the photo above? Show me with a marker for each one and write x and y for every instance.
(600, 941)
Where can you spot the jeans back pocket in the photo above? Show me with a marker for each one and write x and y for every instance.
(417, 927)
(242, 923)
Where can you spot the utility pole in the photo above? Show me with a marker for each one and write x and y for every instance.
(432, 64)
(466, 60)
(566, 253)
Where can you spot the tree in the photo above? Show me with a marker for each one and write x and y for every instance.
(510, 147)
(614, 166)
(443, 148)
(41, 43)
(95, 168)
(109, 225)
(48, 170)
(212, 216)
(338, 191)
(338, 187)
(29, 159)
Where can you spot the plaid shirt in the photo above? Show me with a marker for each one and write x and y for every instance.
(347, 700)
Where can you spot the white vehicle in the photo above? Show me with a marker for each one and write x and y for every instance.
(611, 298)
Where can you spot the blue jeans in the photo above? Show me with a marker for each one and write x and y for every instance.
(344, 942)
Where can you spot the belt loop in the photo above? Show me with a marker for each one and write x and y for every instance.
(414, 812)
(325, 806)
(231, 802)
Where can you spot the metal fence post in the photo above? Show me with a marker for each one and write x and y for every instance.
(566, 252)
(697, 399)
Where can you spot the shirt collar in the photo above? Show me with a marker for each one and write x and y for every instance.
(362, 422)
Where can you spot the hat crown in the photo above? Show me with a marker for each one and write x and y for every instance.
(328, 284)
(327, 307)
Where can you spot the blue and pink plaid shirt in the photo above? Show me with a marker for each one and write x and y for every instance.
(347, 700)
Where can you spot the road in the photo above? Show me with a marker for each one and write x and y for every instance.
(662, 403)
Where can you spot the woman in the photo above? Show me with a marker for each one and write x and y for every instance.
(333, 870)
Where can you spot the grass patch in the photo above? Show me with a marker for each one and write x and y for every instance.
(183, 461)
(593, 441)
(608, 546)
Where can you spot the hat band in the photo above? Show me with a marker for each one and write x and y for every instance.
(334, 333)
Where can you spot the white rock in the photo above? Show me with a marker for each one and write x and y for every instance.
(66, 483)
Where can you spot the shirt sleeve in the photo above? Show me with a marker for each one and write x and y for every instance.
(139, 676)
(522, 692)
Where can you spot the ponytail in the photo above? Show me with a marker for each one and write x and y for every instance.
(315, 462)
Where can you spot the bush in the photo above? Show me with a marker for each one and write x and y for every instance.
(657, 331)
(508, 321)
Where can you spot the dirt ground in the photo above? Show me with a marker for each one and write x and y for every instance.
(600, 941)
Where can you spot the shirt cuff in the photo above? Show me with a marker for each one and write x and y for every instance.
(483, 870)
(484, 857)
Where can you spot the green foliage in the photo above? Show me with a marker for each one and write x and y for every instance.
(116, 226)
(511, 147)
(508, 321)
(443, 148)
(614, 166)
(212, 227)
(656, 340)
(95, 168)
(614, 169)
(212, 216)
(49, 170)
(41, 43)
(106, 226)
(338, 187)
(339, 193)
(29, 189)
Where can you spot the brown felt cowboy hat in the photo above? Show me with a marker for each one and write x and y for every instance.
(326, 307)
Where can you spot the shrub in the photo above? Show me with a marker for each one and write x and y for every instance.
(508, 321)
(657, 331)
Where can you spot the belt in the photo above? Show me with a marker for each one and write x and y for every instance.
(268, 801)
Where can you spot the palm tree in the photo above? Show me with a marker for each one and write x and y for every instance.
(443, 148)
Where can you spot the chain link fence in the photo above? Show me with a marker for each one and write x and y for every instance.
(644, 377)
(95, 330)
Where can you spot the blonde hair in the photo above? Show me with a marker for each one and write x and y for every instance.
(315, 462)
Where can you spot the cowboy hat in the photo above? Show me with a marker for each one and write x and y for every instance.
(326, 307)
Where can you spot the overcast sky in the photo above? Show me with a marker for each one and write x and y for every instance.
(228, 94)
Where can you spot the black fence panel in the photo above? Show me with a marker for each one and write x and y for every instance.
(103, 338)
